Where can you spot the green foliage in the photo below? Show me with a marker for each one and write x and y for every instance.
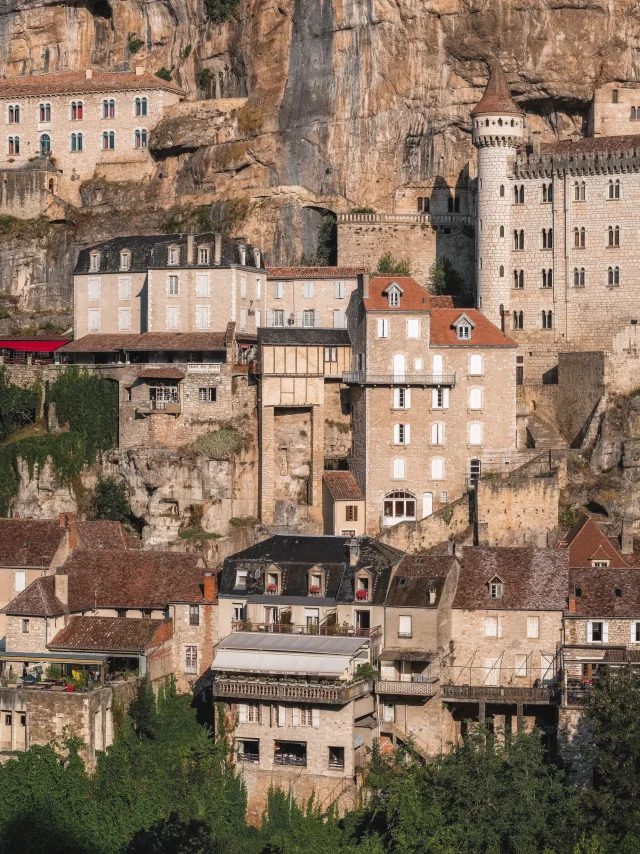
(187, 51)
(196, 533)
(363, 209)
(223, 216)
(445, 279)
(164, 74)
(205, 79)
(111, 500)
(144, 711)
(569, 516)
(18, 406)
(447, 514)
(326, 249)
(27, 229)
(134, 44)
(54, 671)
(219, 11)
(389, 266)
(366, 671)
(221, 445)
(243, 522)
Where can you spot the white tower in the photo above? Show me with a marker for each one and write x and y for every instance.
(498, 130)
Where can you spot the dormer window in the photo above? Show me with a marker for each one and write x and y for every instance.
(242, 254)
(203, 255)
(463, 326)
(496, 588)
(241, 580)
(94, 261)
(125, 259)
(272, 582)
(173, 256)
(316, 582)
(394, 299)
(603, 564)
(362, 587)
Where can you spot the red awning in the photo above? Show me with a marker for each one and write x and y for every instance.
(34, 345)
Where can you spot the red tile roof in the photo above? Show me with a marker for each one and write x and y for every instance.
(598, 585)
(497, 96)
(76, 82)
(314, 272)
(414, 297)
(112, 634)
(132, 579)
(101, 534)
(27, 542)
(586, 542)
(168, 373)
(36, 600)
(342, 486)
(98, 343)
(484, 333)
(101, 343)
(592, 145)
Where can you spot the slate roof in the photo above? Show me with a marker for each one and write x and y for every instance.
(484, 333)
(132, 579)
(295, 555)
(597, 586)
(534, 579)
(36, 600)
(314, 272)
(112, 634)
(28, 542)
(76, 82)
(151, 252)
(497, 96)
(103, 343)
(101, 534)
(592, 145)
(415, 576)
(414, 297)
(586, 542)
(328, 337)
(342, 485)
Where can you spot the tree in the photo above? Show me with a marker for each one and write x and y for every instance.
(389, 266)
(444, 280)
(111, 500)
(18, 406)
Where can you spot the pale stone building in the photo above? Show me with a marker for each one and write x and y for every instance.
(64, 128)
(433, 395)
(343, 505)
(310, 296)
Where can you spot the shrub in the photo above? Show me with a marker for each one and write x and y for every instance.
(111, 500)
(221, 445)
(366, 671)
(362, 210)
(219, 11)
(389, 266)
(187, 51)
(164, 74)
(18, 406)
(205, 79)
(134, 44)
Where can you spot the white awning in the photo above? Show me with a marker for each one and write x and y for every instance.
(274, 663)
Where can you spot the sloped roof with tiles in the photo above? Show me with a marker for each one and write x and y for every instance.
(586, 542)
(414, 296)
(101, 534)
(305, 336)
(97, 343)
(77, 83)
(314, 272)
(533, 579)
(27, 542)
(112, 634)
(484, 333)
(592, 145)
(414, 577)
(497, 96)
(36, 600)
(342, 486)
(604, 592)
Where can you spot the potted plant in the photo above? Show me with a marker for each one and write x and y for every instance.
(272, 588)
(314, 590)
(362, 594)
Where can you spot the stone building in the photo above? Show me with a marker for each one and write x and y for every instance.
(304, 420)
(433, 394)
(61, 129)
(310, 296)
(168, 283)
(343, 505)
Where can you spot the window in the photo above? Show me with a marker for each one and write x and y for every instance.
(278, 290)
(94, 319)
(518, 195)
(14, 114)
(394, 298)
(331, 354)
(238, 612)
(398, 469)
(339, 319)
(413, 327)
(437, 433)
(207, 394)
(437, 468)
(613, 276)
(579, 238)
(614, 189)
(25, 627)
(518, 278)
(519, 370)
(518, 320)
(614, 96)
(76, 142)
(475, 434)
(579, 191)
(278, 317)
(475, 398)
(45, 144)
(614, 235)
(173, 256)
(399, 505)
(203, 320)
(547, 192)
(520, 662)
(248, 748)
(336, 758)
(401, 434)
(203, 255)
(597, 632)
(501, 271)
(140, 138)
(94, 261)
(140, 107)
(547, 238)
(173, 286)
(496, 589)
(108, 109)
(258, 288)
(404, 627)
(475, 365)
(191, 659)
(402, 398)
(463, 332)
(491, 627)
(578, 277)
(124, 319)
(547, 278)
(635, 632)
(440, 398)
(501, 191)
(173, 317)
(388, 712)
(13, 145)
(19, 581)
(518, 239)
(351, 513)
(203, 288)
(243, 287)
(108, 140)
(308, 290)
(194, 615)
(308, 318)
(241, 579)
(243, 318)
(93, 287)
(600, 563)
(45, 112)
(547, 319)
(533, 627)
(417, 364)
(124, 287)
(338, 290)
(475, 467)
(76, 111)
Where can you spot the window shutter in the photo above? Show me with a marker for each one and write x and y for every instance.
(282, 716)
(434, 434)
(242, 713)
(312, 289)
(533, 627)
(434, 398)
(380, 328)
(499, 626)
(589, 633)
(315, 718)
(296, 716)
(337, 319)
(632, 634)
(407, 398)
(299, 318)
(407, 434)
(437, 366)
(398, 468)
(316, 318)
(396, 434)
(269, 317)
(605, 633)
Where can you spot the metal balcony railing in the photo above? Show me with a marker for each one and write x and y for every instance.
(405, 379)
(334, 630)
(498, 693)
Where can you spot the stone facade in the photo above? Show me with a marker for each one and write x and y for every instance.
(312, 296)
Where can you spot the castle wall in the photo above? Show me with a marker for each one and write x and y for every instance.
(581, 384)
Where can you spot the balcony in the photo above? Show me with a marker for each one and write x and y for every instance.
(297, 692)
(163, 407)
(406, 379)
(414, 689)
(309, 629)
(498, 694)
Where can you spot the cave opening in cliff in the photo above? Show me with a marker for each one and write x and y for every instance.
(320, 236)
(100, 9)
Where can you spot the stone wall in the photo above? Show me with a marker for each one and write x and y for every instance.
(25, 193)
(449, 522)
(623, 362)
(581, 385)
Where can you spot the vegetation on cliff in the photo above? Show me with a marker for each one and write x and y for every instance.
(219, 11)
(388, 265)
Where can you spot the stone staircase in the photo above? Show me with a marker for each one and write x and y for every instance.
(545, 436)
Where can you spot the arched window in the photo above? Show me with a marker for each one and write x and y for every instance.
(74, 142)
(614, 189)
(544, 192)
(521, 194)
(583, 191)
(576, 238)
(13, 145)
(516, 240)
(105, 141)
(144, 107)
(500, 122)
(10, 115)
(616, 236)
(502, 231)
(547, 320)
(112, 109)
(105, 109)
(518, 320)
(515, 278)
(138, 107)
(501, 191)
(582, 277)
(549, 278)
(544, 278)
(137, 139)
(45, 112)
(576, 192)
(501, 271)
(420, 201)
(583, 238)
(475, 398)
(79, 141)
(613, 276)
(521, 279)
(398, 506)
(516, 195)
(576, 277)
(45, 144)
(80, 109)
(14, 114)
(144, 138)
(550, 193)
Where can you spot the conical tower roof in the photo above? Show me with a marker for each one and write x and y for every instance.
(497, 97)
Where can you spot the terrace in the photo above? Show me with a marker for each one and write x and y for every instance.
(322, 629)
(404, 379)
(287, 690)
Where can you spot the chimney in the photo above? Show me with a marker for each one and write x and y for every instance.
(536, 142)
(451, 548)
(217, 248)
(88, 73)
(70, 522)
(190, 248)
(626, 540)
(458, 550)
(139, 70)
(256, 256)
(354, 551)
(572, 604)
(432, 596)
(363, 285)
(61, 588)
(209, 587)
